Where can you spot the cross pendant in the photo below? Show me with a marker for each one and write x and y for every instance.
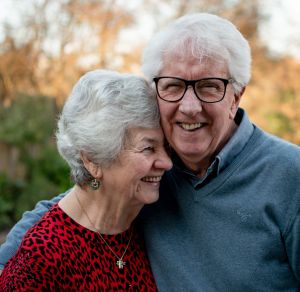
(121, 264)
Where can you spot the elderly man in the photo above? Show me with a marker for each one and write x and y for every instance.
(228, 218)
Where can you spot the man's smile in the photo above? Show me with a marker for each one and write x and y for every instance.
(190, 126)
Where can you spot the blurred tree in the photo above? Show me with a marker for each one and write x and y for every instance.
(27, 127)
(55, 42)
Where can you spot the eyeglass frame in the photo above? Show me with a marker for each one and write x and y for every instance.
(192, 83)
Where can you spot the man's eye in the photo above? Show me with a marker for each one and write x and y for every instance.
(208, 85)
(172, 86)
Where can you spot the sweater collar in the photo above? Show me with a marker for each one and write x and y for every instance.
(237, 142)
(233, 147)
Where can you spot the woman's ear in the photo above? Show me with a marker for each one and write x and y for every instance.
(94, 169)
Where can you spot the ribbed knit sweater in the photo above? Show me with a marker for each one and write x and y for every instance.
(239, 232)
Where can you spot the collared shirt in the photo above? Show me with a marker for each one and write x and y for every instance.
(233, 147)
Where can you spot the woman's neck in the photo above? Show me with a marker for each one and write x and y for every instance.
(98, 211)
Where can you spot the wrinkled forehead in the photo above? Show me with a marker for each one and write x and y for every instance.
(137, 135)
(189, 66)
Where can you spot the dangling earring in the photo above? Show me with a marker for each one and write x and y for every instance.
(95, 184)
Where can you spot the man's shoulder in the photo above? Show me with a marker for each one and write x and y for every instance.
(279, 146)
(277, 151)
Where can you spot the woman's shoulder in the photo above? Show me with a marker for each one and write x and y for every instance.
(49, 232)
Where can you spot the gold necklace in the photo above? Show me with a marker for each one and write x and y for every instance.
(120, 263)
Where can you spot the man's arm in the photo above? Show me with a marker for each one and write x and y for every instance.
(293, 246)
(15, 236)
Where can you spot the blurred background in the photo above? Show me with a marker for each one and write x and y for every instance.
(46, 45)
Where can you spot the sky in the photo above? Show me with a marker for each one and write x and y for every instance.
(281, 32)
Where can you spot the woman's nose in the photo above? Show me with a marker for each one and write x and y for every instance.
(164, 162)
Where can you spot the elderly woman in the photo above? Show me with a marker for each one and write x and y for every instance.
(109, 133)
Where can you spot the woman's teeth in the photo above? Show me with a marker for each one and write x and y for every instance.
(151, 179)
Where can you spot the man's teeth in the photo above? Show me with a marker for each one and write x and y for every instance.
(152, 179)
(191, 126)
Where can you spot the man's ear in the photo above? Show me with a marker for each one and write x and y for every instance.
(94, 169)
(235, 103)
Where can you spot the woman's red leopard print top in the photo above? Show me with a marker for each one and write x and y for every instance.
(58, 254)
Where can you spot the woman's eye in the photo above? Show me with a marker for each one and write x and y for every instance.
(148, 149)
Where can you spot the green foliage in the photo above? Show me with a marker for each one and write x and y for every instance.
(47, 175)
(31, 119)
(28, 126)
(10, 192)
(279, 123)
(287, 95)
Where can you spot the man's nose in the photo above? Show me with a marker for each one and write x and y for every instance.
(190, 104)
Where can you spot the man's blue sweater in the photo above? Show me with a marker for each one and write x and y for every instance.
(238, 231)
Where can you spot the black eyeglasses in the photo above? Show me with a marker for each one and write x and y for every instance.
(210, 90)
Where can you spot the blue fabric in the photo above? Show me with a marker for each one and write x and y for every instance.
(29, 218)
(237, 142)
(238, 232)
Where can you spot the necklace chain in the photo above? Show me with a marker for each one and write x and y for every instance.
(120, 263)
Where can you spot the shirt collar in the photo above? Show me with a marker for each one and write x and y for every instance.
(237, 142)
(233, 147)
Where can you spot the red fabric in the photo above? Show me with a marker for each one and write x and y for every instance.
(58, 254)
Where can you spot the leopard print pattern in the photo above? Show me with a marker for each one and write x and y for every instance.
(58, 254)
